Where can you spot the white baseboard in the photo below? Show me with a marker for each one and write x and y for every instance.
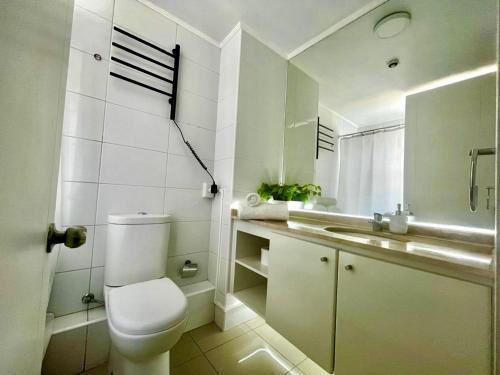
(232, 313)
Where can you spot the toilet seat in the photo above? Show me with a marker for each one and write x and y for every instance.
(146, 308)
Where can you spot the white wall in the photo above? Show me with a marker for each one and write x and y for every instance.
(249, 141)
(121, 154)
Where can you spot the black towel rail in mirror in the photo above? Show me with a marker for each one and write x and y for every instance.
(175, 55)
(324, 134)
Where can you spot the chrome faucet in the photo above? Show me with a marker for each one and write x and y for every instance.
(377, 222)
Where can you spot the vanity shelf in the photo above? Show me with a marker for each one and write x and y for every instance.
(253, 264)
(255, 298)
(249, 284)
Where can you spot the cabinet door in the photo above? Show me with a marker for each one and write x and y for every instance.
(301, 296)
(396, 320)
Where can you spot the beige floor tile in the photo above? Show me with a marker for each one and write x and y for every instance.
(210, 336)
(255, 323)
(281, 344)
(101, 370)
(308, 367)
(183, 351)
(248, 355)
(196, 366)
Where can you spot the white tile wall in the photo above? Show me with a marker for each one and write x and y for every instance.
(78, 203)
(136, 97)
(124, 198)
(76, 259)
(189, 237)
(83, 116)
(201, 139)
(198, 50)
(176, 262)
(198, 80)
(67, 291)
(90, 32)
(86, 75)
(184, 172)
(97, 282)
(80, 159)
(99, 248)
(197, 110)
(141, 20)
(187, 205)
(122, 154)
(129, 127)
(103, 8)
(127, 165)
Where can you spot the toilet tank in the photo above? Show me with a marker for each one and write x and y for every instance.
(137, 248)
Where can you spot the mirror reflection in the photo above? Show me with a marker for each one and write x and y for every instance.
(398, 107)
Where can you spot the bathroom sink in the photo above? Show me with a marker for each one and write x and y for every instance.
(365, 234)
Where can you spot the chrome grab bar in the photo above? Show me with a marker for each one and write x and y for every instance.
(473, 188)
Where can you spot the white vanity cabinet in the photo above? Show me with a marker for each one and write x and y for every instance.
(301, 296)
(396, 320)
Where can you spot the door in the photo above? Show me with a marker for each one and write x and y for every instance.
(301, 296)
(34, 37)
(397, 320)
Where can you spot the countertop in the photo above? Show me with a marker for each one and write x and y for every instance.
(466, 260)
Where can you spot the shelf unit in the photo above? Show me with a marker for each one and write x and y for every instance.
(253, 264)
(249, 274)
(255, 298)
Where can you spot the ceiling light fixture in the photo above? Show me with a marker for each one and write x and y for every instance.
(392, 25)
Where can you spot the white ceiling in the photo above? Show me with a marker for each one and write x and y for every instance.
(445, 37)
(283, 24)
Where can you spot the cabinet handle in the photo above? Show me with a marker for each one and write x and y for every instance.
(349, 267)
(324, 259)
(97, 57)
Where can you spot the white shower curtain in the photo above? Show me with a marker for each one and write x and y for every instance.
(371, 173)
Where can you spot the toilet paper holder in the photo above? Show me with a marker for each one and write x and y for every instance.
(189, 269)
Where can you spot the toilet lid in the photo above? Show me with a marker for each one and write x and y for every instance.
(148, 307)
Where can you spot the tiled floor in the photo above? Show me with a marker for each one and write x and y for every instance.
(252, 348)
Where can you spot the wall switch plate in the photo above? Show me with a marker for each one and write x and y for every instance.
(205, 190)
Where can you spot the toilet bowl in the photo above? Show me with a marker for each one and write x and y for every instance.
(146, 311)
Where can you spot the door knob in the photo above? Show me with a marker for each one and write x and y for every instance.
(71, 237)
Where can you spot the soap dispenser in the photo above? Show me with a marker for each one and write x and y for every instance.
(398, 222)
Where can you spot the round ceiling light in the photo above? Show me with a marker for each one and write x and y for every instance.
(392, 25)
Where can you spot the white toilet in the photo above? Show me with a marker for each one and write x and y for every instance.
(147, 312)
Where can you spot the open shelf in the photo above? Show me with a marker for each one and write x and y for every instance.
(254, 297)
(253, 264)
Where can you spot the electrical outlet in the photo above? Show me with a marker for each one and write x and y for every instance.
(205, 190)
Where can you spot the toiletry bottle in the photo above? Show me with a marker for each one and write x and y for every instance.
(398, 222)
(409, 215)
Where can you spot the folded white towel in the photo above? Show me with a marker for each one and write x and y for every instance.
(252, 199)
(264, 211)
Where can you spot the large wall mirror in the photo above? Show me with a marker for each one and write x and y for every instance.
(387, 109)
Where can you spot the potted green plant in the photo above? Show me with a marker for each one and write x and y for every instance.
(295, 195)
